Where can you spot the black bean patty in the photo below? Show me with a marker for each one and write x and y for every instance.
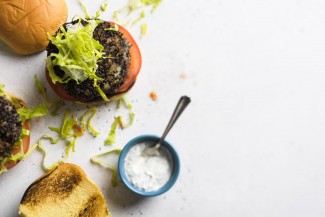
(113, 68)
(10, 127)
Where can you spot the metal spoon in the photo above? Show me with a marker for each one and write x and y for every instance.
(180, 107)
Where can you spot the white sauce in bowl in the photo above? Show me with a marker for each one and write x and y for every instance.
(148, 172)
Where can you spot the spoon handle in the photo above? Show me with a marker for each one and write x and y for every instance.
(180, 107)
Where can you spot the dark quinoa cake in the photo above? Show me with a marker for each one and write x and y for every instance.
(113, 68)
(10, 127)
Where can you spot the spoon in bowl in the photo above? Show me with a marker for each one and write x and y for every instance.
(180, 107)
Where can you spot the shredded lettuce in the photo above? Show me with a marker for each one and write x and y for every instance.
(144, 29)
(135, 4)
(141, 16)
(26, 114)
(87, 123)
(118, 121)
(40, 88)
(56, 105)
(115, 28)
(111, 139)
(71, 129)
(96, 159)
(115, 15)
(20, 156)
(78, 54)
(128, 105)
(45, 153)
(52, 140)
(2, 92)
(84, 10)
(103, 6)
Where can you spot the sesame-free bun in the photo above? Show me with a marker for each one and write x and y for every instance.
(25, 23)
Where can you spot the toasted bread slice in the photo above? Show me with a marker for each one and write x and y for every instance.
(65, 191)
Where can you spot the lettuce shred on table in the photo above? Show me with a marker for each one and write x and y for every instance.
(53, 105)
(144, 29)
(118, 121)
(87, 123)
(96, 159)
(40, 88)
(71, 129)
(45, 153)
(135, 4)
(141, 16)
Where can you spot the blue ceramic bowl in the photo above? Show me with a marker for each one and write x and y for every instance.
(174, 173)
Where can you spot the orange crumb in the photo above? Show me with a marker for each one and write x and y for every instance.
(153, 95)
(37, 119)
(78, 131)
(183, 75)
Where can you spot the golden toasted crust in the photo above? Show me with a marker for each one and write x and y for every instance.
(25, 23)
(64, 191)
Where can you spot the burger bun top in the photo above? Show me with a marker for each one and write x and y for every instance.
(25, 23)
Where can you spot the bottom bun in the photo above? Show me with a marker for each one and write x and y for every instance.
(62, 93)
(25, 140)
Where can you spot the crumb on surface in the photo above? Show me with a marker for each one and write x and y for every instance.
(153, 95)
(183, 75)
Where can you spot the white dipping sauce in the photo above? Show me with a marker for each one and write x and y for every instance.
(148, 172)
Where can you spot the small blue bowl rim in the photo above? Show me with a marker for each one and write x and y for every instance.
(174, 175)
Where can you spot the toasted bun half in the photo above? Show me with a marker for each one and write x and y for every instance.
(25, 140)
(64, 191)
(25, 23)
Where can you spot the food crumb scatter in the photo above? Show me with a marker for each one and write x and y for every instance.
(153, 95)
(183, 75)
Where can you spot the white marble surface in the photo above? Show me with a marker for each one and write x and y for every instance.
(252, 141)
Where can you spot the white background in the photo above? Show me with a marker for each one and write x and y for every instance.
(252, 141)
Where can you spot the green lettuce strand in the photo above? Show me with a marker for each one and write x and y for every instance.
(2, 91)
(20, 156)
(135, 4)
(87, 124)
(84, 9)
(97, 160)
(111, 139)
(45, 153)
(118, 121)
(51, 139)
(68, 124)
(2, 165)
(56, 104)
(40, 88)
(71, 145)
(141, 16)
(103, 6)
(144, 29)
(115, 16)
(55, 129)
(26, 114)
(128, 105)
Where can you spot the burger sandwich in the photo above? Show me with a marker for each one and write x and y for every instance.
(91, 60)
